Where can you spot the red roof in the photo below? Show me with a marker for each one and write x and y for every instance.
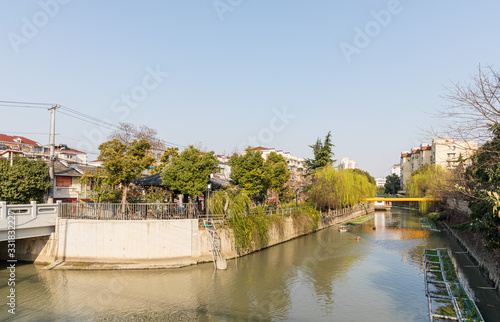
(403, 155)
(69, 150)
(10, 139)
(261, 148)
(425, 148)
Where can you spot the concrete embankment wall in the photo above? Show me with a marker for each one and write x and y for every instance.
(488, 261)
(279, 232)
(149, 241)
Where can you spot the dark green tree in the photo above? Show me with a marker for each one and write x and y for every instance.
(249, 173)
(189, 173)
(323, 155)
(27, 180)
(278, 174)
(124, 162)
(392, 184)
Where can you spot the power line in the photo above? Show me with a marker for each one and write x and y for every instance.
(27, 103)
(82, 119)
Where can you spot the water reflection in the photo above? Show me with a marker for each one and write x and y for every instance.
(320, 277)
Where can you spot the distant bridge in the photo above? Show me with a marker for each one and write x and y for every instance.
(401, 199)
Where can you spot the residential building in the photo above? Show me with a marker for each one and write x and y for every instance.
(396, 169)
(447, 152)
(345, 163)
(64, 153)
(406, 167)
(67, 186)
(444, 152)
(380, 182)
(21, 145)
(224, 167)
(296, 165)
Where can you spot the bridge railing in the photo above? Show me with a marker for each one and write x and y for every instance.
(118, 211)
(27, 211)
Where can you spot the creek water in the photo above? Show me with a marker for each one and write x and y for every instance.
(324, 276)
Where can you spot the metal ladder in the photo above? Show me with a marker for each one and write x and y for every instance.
(215, 244)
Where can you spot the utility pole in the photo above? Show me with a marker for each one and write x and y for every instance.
(52, 140)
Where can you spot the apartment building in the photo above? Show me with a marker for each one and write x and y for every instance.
(296, 165)
(345, 163)
(396, 169)
(444, 152)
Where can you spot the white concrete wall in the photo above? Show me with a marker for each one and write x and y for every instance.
(126, 240)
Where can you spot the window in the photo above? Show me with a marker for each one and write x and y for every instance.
(451, 155)
(63, 181)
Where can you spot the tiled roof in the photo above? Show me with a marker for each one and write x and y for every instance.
(426, 148)
(10, 139)
(261, 148)
(68, 150)
(71, 170)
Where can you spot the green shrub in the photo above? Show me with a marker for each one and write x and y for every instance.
(436, 216)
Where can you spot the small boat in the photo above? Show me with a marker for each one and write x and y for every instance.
(343, 229)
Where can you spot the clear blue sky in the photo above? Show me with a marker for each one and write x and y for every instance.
(228, 77)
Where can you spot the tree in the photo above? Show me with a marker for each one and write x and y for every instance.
(129, 132)
(392, 184)
(278, 174)
(123, 162)
(189, 173)
(27, 180)
(429, 181)
(368, 176)
(334, 189)
(248, 172)
(166, 159)
(323, 155)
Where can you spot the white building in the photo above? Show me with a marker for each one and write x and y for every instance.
(296, 165)
(380, 182)
(444, 152)
(396, 169)
(345, 163)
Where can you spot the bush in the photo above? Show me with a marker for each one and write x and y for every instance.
(436, 216)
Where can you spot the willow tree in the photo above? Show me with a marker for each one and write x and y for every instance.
(333, 189)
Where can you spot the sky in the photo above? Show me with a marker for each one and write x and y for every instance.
(225, 74)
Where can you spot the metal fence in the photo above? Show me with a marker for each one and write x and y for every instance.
(117, 211)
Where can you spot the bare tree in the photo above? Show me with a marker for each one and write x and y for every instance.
(129, 132)
(474, 107)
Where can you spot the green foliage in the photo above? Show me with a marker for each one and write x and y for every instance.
(278, 174)
(392, 184)
(27, 180)
(230, 202)
(483, 183)
(429, 181)
(255, 176)
(156, 195)
(189, 173)
(251, 231)
(103, 188)
(334, 189)
(248, 171)
(436, 216)
(323, 155)
(306, 219)
(368, 176)
(123, 162)
(165, 159)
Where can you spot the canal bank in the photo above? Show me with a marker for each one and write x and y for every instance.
(79, 244)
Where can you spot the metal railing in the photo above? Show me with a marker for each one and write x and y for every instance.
(118, 211)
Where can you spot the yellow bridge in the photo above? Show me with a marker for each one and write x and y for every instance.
(402, 199)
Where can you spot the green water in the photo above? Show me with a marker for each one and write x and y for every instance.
(320, 277)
